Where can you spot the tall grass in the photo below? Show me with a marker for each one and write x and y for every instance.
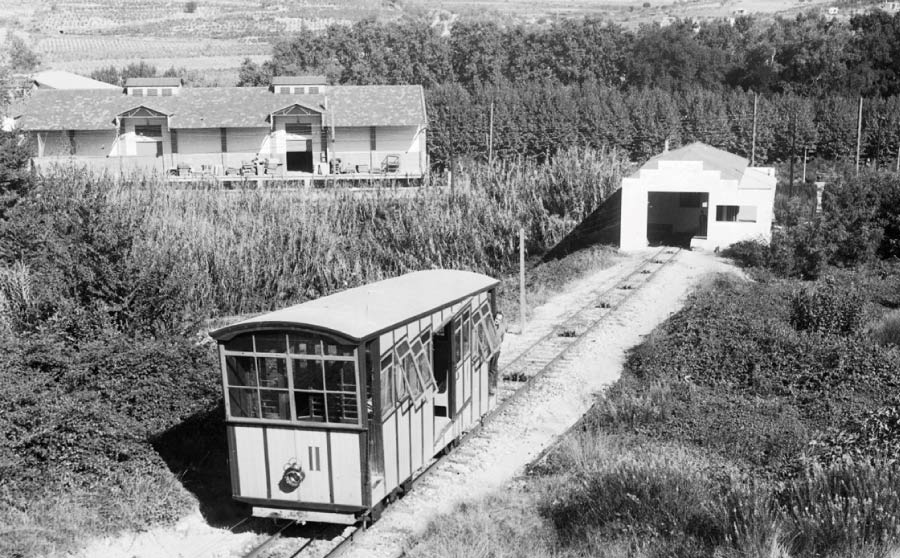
(214, 252)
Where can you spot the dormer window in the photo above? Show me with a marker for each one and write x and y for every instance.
(298, 85)
(153, 87)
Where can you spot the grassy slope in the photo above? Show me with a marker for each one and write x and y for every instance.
(730, 434)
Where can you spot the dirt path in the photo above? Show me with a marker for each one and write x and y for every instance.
(498, 453)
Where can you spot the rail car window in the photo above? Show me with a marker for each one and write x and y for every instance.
(244, 402)
(310, 406)
(412, 376)
(457, 344)
(466, 329)
(270, 342)
(240, 343)
(424, 363)
(325, 390)
(272, 375)
(387, 385)
(241, 371)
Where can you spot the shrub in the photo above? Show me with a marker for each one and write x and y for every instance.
(748, 253)
(190, 7)
(828, 307)
(655, 495)
(887, 331)
(846, 507)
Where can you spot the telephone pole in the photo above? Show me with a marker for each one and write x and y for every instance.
(858, 134)
(491, 138)
(753, 141)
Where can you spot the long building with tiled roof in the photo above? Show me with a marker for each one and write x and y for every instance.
(301, 126)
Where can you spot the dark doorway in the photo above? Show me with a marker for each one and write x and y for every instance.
(300, 161)
(674, 218)
(443, 363)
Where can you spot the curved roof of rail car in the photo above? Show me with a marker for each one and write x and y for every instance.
(371, 309)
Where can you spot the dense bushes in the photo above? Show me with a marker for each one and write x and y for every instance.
(828, 307)
(760, 420)
(858, 224)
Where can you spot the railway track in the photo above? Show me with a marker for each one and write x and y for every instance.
(516, 378)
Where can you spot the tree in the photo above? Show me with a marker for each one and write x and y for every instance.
(21, 57)
(252, 74)
(109, 74)
(138, 70)
(15, 173)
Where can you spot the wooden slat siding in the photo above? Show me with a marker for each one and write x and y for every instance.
(365, 485)
(330, 467)
(403, 441)
(265, 434)
(346, 473)
(233, 468)
(250, 461)
(391, 453)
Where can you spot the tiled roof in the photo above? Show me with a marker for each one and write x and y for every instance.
(299, 80)
(153, 82)
(59, 79)
(730, 165)
(222, 107)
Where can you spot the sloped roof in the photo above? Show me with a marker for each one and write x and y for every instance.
(730, 165)
(153, 82)
(59, 79)
(222, 107)
(372, 309)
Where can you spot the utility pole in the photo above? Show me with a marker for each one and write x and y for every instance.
(753, 141)
(450, 149)
(858, 134)
(491, 138)
(522, 278)
(793, 144)
(805, 153)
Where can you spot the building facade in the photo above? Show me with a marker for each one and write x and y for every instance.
(699, 197)
(296, 127)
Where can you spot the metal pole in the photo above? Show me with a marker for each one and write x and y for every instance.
(522, 277)
(858, 134)
(753, 141)
(491, 138)
(805, 153)
(793, 144)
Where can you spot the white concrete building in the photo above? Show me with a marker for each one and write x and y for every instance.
(696, 196)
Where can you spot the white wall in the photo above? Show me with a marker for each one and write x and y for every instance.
(199, 140)
(94, 143)
(756, 188)
(352, 145)
(127, 141)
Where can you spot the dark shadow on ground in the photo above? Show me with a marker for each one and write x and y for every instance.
(600, 227)
(196, 451)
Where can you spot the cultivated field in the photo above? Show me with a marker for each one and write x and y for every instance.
(218, 34)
